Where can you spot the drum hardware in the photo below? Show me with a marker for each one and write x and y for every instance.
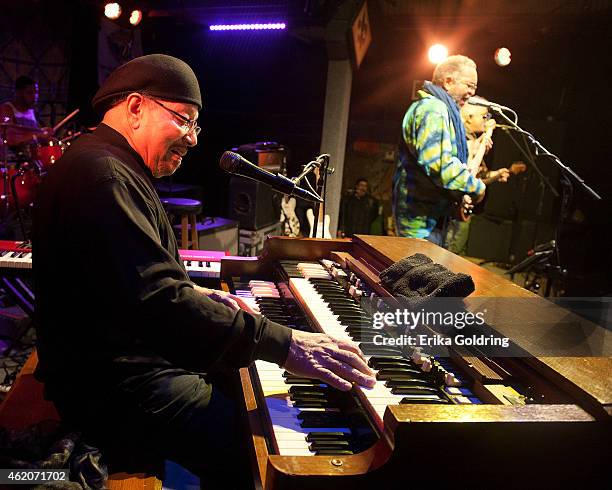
(65, 120)
(20, 179)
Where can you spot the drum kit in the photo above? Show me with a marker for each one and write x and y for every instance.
(22, 172)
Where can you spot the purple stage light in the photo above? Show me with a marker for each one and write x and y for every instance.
(248, 27)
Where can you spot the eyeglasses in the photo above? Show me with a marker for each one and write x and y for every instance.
(471, 85)
(188, 125)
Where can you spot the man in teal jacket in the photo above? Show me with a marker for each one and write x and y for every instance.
(431, 172)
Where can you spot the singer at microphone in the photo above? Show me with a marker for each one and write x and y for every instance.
(234, 163)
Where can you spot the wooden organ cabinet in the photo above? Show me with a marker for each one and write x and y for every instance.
(463, 421)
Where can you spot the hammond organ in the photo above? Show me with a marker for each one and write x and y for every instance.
(459, 420)
(465, 420)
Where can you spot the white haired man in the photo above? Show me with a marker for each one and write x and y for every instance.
(431, 172)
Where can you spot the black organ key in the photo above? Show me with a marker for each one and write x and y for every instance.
(326, 436)
(418, 399)
(370, 349)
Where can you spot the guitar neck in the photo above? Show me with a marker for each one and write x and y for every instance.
(479, 155)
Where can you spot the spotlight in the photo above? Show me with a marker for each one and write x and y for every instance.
(112, 10)
(437, 53)
(503, 56)
(135, 17)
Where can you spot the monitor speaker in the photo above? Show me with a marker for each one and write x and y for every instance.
(490, 239)
(253, 204)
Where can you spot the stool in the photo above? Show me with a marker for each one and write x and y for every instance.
(174, 189)
(188, 209)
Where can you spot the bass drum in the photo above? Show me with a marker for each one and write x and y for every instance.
(22, 185)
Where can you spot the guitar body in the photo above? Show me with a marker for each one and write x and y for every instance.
(290, 221)
(465, 210)
(322, 226)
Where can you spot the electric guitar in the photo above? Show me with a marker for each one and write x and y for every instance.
(322, 226)
(475, 160)
(466, 208)
(290, 221)
(322, 223)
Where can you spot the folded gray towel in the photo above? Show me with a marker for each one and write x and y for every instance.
(396, 271)
(422, 278)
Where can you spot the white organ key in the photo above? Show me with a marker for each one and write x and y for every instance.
(290, 436)
(259, 282)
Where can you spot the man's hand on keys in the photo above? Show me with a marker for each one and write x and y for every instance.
(339, 363)
(230, 300)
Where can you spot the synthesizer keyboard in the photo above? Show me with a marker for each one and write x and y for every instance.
(17, 256)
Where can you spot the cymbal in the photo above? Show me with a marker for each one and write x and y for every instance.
(21, 128)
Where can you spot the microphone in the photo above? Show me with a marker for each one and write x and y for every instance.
(543, 247)
(485, 103)
(234, 163)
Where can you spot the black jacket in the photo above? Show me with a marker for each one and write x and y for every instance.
(111, 291)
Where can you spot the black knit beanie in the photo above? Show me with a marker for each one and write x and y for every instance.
(157, 75)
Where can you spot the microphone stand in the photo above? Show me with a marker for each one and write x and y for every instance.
(540, 150)
(5, 179)
(544, 182)
(321, 188)
(566, 190)
(322, 163)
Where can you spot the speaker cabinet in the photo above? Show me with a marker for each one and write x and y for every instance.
(218, 234)
(490, 239)
(253, 204)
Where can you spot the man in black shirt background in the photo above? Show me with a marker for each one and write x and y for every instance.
(357, 211)
(128, 345)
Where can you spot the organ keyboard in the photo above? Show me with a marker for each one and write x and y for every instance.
(461, 420)
(307, 417)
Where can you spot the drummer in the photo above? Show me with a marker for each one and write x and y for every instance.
(20, 112)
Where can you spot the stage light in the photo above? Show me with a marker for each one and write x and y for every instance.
(503, 56)
(135, 17)
(112, 10)
(248, 27)
(437, 53)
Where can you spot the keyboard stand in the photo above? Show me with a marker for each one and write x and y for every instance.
(20, 293)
